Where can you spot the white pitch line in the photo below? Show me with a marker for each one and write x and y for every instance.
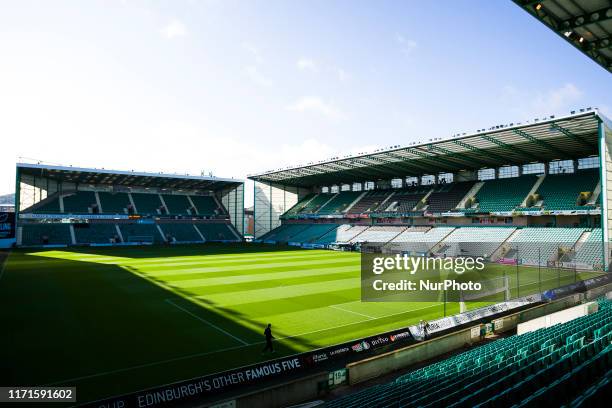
(207, 353)
(350, 311)
(208, 323)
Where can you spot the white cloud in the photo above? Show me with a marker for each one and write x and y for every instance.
(406, 45)
(254, 51)
(343, 76)
(307, 64)
(318, 105)
(253, 73)
(556, 99)
(175, 28)
(526, 102)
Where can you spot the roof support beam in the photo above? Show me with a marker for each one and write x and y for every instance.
(542, 143)
(405, 162)
(430, 158)
(510, 148)
(451, 154)
(572, 135)
(485, 153)
(598, 16)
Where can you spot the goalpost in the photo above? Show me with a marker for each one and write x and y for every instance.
(490, 288)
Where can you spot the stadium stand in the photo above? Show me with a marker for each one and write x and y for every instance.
(419, 239)
(141, 233)
(206, 205)
(176, 204)
(217, 232)
(370, 201)
(147, 204)
(562, 191)
(180, 232)
(114, 203)
(546, 367)
(543, 244)
(446, 197)
(590, 251)
(313, 232)
(314, 204)
(378, 233)
(342, 234)
(504, 194)
(46, 234)
(79, 202)
(285, 232)
(405, 200)
(299, 205)
(474, 241)
(339, 203)
(95, 233)
(49, 205)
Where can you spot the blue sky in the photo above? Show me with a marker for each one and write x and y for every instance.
(238, 87)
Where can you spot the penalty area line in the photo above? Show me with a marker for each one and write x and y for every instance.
(214, 326)
(208, 353)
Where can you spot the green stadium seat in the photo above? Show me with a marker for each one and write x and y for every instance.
(46, 234)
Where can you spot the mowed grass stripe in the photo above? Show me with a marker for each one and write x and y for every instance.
(164, 266)
(202, 258)
(230, 284)
(320, 288)
(263, 307)
(278, 284)
(259, 266)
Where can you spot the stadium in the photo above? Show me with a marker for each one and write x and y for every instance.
(139, 289)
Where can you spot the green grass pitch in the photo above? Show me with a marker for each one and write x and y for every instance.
(116, 320)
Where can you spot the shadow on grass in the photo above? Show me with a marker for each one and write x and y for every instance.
(108, 330)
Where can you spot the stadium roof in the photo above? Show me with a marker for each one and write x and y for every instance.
(569, 137)
(125, 178)
(586, 24)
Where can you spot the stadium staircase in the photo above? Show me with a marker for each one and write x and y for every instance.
(503, 194)
(561, 192)
(446, 197)
(370, 201)
(565, 364)
(114, 203)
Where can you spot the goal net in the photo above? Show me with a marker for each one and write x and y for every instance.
(496, 289)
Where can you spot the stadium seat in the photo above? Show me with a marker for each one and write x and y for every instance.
(114, 203)
(474, 241)
(339, 203)
(342, 234)
(79, 202)
(147, 204)
(370, 202)
(542, 244)
(180, 232)
(176, 204)
(504, 194)
(552, 366)
(376, 233)
(561, 191)
(419, 240)
(216, 232)
(95, 233)
(46, 234)
(446, 197)
(141, 233)
(313, 232)
(206, 205)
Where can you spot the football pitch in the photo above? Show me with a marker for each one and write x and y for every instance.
(116, 320)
